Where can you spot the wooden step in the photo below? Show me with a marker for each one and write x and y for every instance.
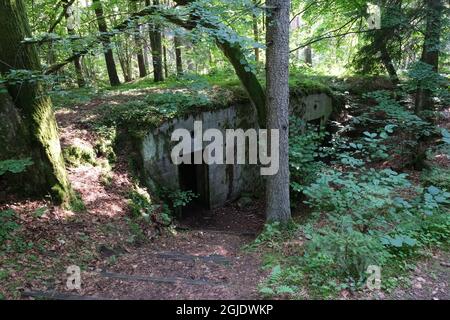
(170, 280)
(54, 295)
(178, 256)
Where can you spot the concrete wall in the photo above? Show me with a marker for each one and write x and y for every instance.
(226, 182)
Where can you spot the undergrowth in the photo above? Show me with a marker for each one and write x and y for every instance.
(362, 215)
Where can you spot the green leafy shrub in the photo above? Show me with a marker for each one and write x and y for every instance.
(105, 143)
(7, 225)
(421, 75)
(140, 203)
(79, 154)
(304, 149)
(365, 195)
(14, 165)
(282, 281)
(411, 130)
(10, 237)
(436, 176)
(174, 200)
(76, 204)
(341, 256)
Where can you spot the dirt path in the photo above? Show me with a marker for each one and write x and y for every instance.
(202, 260)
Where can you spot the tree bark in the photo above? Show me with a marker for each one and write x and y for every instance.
(430, 51)
(138, 43)
(277, 93)
(68, 13)
(178, 57)
(383, 36)
(256, 36)
(166, 67)
(36, 127)
(235, 55)
(109, 57)
(308, 56)
(156, 47)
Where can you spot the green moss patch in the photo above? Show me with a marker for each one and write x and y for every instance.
(76, 155)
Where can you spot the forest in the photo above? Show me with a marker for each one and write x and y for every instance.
(224, 150)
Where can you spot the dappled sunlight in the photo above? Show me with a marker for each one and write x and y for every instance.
(85, 179)
(216, 250)
(352, 203)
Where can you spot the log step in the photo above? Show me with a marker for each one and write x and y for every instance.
(186, 257)
(53, 295)
(170, 280)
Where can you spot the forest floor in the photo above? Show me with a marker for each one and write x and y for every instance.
(203, 258)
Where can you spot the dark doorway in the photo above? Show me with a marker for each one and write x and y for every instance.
(194, 177)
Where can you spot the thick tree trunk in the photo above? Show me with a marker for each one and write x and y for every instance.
(138, 43)
(34, 134)
(383, 36)
(430, 51)
(141, 64)
(109, 57)
(71, 31)
(178, 58)
(156, 47)
(277, 92)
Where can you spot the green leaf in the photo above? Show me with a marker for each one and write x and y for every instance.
(267, 291)
(433, 190)
(285, 290)
(14, 166)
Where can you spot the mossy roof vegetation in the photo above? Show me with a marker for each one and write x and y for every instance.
(144, 105)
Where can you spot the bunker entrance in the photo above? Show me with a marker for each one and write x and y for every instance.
(194, 177)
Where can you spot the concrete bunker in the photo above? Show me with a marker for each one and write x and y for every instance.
(217, 184)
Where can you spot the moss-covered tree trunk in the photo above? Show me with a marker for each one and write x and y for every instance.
(32, 130)
(235, 54)
(109, 57)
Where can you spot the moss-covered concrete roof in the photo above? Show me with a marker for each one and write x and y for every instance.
(142, 105)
